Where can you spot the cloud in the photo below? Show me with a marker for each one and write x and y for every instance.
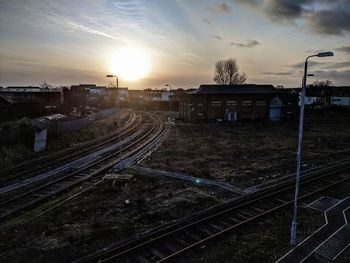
(301, 64)
(278, 73)
(90, 30)
(284, 10)
(330, 22)
(190, 55)
(342, 77)
(320, 16)
(221, 8)
(249, 44)
(278, 10)
(340, 65)
(251, 3)
(345, 49)
(323, 65)
(217, 37)
(185, 63)
(206, 20)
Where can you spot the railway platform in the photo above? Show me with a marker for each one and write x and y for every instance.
(328, 243)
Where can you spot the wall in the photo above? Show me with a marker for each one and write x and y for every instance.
(210, 107)
(78, 124)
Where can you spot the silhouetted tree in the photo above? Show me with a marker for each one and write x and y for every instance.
(324, 89)
(226, 73)
(322, 83)
(46, 85)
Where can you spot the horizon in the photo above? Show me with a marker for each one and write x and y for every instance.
(148, 46)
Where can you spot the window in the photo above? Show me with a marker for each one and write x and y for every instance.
(246, 106)
(261, 103)
(231, 105)
(215, 103)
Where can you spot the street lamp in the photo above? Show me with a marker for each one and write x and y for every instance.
(168, 85)
(293, 234)
(118, 111)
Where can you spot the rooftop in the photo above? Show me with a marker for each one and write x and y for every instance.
(27, 89)
(234, 89)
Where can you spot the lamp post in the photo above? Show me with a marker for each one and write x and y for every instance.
(158, 99)
(168, 85)
(118, 110)
(293, 234)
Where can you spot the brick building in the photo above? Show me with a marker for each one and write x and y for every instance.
(27, 101)
(248, 101)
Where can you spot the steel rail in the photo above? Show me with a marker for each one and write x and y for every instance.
(132, 158)
(162, 236)
(64, 154)
(103, 165)
(70, 154)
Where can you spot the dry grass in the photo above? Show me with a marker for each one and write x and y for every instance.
(251, 153)
(19, 152)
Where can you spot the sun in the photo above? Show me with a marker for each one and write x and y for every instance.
(131, 63)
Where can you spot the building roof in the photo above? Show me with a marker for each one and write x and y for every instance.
(27, 89)
(119, 88)
(234, 89)
(330, 91)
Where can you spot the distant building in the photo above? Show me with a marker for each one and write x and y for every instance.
(29, 94)
(23, 101)
(248, 101)
(75, 95)
(122, 92)
(97, 90)
(327, 95)
(340, 95)
(136, 99)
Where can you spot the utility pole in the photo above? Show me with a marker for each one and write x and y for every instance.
(293, 232)
(118, 113)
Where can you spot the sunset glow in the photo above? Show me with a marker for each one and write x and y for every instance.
(146, 45)
(131, 63)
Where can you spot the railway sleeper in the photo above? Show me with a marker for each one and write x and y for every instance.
(249, 213)
(234, 220)
(282, 201)
(144, 253)
(215, 226)
(224, 222)
(258, 209)
(241, 216)
(181, 241)
(173, 245)
(207, 231)
(40, 195)
(156, 253)
(141, 259)
(193, 235)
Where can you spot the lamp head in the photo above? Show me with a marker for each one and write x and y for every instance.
(325, 54)
(109, 76)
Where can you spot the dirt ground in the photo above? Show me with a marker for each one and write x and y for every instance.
(266, 242)
(103, 216)
(250, 153)
(243, 154)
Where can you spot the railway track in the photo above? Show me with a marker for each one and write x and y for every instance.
(168, 242)
(59, 158)
(30, 197)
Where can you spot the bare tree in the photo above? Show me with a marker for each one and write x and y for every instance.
(226, 73)
(322, 83)
(46, 85)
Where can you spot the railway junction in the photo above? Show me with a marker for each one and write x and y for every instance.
(62, 207)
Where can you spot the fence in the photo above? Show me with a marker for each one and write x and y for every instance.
(78, 124)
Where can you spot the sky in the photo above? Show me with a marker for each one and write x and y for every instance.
(70, 42)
